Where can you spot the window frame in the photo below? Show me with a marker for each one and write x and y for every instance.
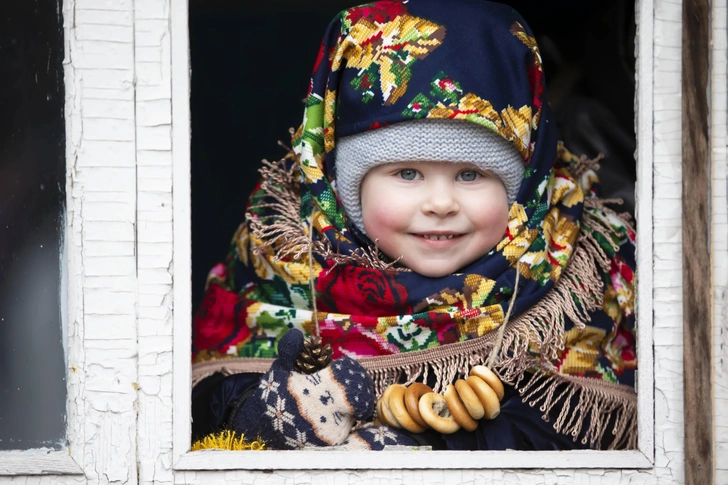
(641, 458)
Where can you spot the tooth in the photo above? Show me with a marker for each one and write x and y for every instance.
(450, 236)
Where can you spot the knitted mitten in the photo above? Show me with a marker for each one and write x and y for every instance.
(292, 410)
(377, 437)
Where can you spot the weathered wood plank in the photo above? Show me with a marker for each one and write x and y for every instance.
(697, 314)
(38, 462)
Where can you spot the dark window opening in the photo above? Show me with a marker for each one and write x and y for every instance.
(32, 184)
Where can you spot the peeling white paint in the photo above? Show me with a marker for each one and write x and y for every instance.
(120, 267)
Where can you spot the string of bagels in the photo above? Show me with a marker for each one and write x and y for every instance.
(417, 407)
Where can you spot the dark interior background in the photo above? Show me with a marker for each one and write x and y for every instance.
(251, 63)
(32, 199)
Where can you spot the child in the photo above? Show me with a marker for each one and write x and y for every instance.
(428, 206)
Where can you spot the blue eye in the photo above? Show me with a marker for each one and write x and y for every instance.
(468, 175)
(408, 174)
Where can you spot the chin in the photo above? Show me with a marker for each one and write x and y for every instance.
(436, 272)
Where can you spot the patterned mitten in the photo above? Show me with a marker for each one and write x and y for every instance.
(377, 437)
(292, 410)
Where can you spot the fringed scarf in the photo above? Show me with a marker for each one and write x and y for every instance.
(569, 342)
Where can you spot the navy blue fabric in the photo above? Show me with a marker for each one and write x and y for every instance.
(204, 420)
(358, 386)
(228, 391)
(212, 398)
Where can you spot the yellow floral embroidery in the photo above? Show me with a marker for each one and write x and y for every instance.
(242, 239)
(476, 290)
(564, 189)
(518, 239)
(370, 43)
(516, 128)
(329, 114)
(584, 349)
(560, 241)
(491, 318)
(611, 305)
(467, 106)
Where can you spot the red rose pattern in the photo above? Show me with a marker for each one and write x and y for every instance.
(355, 339)
(381, 13)
(361, 291)
(216, 325)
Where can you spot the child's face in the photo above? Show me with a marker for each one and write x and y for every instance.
(438, 216)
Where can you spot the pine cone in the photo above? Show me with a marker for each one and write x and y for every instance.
(314, 356)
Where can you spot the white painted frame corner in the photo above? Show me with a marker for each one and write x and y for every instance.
(183, 459)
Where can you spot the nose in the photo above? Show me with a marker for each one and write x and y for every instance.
(440, 201)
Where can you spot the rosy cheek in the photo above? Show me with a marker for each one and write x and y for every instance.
(499, 223)
(379, 218)
(494, 219)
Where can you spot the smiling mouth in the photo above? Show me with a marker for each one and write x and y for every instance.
(438, 237)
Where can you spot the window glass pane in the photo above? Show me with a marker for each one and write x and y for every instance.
(32, 195)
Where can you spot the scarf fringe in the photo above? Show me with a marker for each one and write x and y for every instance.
(584, 165)
(285, 235)
(605, 407)
(283, 231)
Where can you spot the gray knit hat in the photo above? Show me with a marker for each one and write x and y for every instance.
(435, 140)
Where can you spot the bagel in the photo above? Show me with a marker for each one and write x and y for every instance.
(412, 400)
(458, 410)
(380, 415)
(490, 378)
(487, 396)
(434, 411)
(386, 412)
(470, 399)
(399, 410)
